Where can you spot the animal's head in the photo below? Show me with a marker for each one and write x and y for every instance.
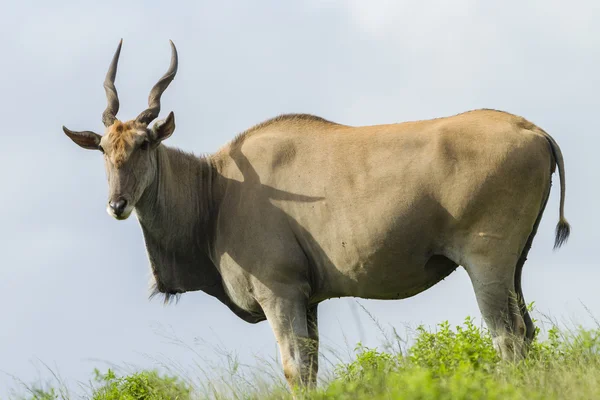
(129, 148)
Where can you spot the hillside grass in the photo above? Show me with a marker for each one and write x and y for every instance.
(445, 363)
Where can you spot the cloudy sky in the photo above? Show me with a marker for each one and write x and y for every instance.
(73, 281)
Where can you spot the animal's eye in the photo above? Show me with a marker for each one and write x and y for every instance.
(144, 145)
(101, 149)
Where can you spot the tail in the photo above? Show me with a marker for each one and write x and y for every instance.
(563, 229)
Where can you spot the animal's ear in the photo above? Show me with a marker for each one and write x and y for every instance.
(163, 128)
(86, 139)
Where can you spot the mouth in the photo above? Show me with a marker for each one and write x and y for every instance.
(121, 216)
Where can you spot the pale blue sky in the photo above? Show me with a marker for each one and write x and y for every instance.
(73, 281)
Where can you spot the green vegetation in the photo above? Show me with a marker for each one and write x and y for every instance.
(461, 364)
(448, 363)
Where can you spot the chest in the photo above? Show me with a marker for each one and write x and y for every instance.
(238, 283)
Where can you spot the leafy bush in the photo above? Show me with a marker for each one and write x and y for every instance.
(145, 385)
(369, 362)
(446, 351)
(461, 363)
(447, 364)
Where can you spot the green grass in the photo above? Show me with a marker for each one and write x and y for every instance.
(446, 363)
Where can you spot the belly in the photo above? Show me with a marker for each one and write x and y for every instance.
(386, 279)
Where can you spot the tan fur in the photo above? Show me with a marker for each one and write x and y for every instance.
(121, 137)
(283, 120)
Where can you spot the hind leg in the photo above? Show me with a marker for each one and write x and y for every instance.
(493, 283)
(530, 328)
(313, 346)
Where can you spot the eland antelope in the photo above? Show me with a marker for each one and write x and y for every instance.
(299, 209)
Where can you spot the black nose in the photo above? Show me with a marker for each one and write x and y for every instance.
(118, 206)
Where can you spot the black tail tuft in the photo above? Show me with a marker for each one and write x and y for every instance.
(563, 230)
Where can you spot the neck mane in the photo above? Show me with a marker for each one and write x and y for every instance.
(176, 213)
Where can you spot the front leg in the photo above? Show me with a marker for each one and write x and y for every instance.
(287, 314)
